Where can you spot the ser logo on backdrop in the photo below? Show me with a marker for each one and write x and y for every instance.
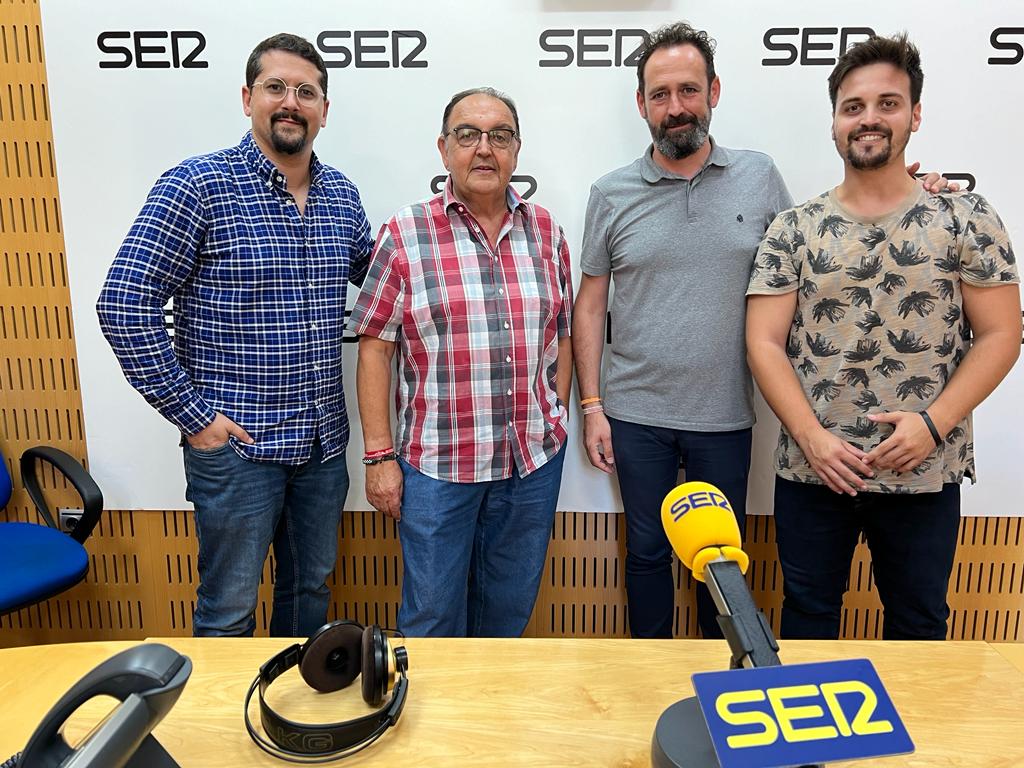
(437, 184)
(373, 48)
(967, 181)
(592, 47)
(810, 45)
(152, 49)
(1009, 39)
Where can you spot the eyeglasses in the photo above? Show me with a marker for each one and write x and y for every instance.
(276, 89)
(468, 136)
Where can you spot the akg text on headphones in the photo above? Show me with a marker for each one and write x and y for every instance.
(332, 659)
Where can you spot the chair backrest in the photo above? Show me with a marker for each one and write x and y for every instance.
(68, 466)
(6, 487)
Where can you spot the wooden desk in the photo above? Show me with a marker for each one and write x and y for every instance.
(533, 702)
(1012, 652)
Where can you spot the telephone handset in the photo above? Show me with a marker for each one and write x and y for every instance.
(147, 680)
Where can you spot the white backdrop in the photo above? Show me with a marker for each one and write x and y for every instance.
(117, 128)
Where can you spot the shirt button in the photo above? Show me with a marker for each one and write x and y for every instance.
(313, 326)
(501, 291)
(508, 358)
(310, 283)
(506, 325)
(509, 392)
(511, 424)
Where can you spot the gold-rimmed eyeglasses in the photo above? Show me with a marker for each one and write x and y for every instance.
(275, 89)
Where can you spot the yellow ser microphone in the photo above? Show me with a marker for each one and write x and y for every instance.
(701, 527)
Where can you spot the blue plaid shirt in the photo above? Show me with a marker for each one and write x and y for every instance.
(259, 300)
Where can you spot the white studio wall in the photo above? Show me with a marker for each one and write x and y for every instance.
(135, 88)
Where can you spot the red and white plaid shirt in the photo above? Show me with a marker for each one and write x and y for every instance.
(478, 332)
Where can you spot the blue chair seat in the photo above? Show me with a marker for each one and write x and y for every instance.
(36, 562)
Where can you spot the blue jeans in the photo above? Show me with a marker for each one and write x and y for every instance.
(647, 463)
(241, 508)
(473, 553)
(912, 538)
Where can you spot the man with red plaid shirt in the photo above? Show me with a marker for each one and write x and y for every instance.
(473, 288)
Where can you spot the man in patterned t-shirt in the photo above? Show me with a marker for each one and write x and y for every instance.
(878, 317)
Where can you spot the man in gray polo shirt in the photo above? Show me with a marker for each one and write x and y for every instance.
(678, 228)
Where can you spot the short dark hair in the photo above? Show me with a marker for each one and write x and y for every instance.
(486, 91)
(288, 43)
(896, 50)
(671, 35)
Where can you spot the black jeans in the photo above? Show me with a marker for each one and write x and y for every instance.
(912, 538)
(647, 463)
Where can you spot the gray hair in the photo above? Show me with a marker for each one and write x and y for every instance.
(486, 91)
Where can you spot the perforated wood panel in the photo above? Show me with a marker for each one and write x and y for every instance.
(142, 574)
(39, 396)
(142, 581)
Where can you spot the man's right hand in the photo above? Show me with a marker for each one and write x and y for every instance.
(840, 465)
(384, 488)
(597, 437)
(217, 433)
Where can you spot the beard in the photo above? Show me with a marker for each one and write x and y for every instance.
(289, 143)
(676, 146)
(878, 158)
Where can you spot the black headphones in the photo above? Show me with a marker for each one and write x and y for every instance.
(331, 659)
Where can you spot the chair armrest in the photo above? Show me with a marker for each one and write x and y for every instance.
(67, 465)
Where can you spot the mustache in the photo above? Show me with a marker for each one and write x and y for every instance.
(678, 121)
(295, 117)
(872, 129)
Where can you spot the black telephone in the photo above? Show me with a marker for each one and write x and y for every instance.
(147, 679)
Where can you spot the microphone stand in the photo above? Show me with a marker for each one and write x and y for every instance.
(746, 629)
(681, 738)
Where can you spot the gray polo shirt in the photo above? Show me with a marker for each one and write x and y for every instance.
(680, 251)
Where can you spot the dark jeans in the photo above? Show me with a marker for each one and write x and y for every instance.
(912, 538)
(647, 463)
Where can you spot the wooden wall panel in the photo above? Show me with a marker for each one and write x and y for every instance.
(39, 395)
(142, 581)
(142, 575)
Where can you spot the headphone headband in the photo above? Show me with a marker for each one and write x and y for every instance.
(305, 742)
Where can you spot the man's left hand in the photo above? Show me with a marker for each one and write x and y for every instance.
(933, 182)
(910, 443)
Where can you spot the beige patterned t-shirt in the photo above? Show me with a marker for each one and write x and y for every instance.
(879, 324)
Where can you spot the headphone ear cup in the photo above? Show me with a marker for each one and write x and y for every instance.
(375, 667)
(330, 659)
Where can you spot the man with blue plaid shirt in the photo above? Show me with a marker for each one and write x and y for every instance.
(255, 245)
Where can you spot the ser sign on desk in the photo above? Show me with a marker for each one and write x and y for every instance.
(805, 713)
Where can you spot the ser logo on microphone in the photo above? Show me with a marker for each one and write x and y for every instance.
(697, 500)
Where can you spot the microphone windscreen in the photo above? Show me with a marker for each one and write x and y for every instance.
(697, 516)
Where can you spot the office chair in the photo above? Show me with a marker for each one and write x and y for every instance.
(39, 561)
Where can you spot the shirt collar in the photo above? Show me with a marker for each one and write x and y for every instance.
(653, 173)
(512, 198)
(266, 170)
